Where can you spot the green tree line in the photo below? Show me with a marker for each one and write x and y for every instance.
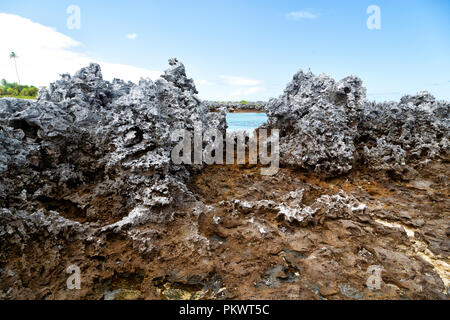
(14, 89)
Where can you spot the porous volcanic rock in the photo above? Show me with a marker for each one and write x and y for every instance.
(317, 120)
(86, 181)
(97, 150)
(394, 136)
(330, 127)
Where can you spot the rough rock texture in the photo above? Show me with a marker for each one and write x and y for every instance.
(395, 136)
(231, 106)
(329, 127)
(99, 149)
(296, 235)
(86, 179)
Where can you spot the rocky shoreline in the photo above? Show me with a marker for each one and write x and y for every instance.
(231, 106)
(87, 180)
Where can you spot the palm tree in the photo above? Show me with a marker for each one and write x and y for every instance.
(13, 55)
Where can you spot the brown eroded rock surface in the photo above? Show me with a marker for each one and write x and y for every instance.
(222, 247)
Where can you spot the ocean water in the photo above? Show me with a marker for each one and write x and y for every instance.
(245, 121)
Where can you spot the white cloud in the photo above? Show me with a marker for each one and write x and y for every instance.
(228, 87)
(44, 54)
(127, 72)
(131, 36)
(204, 82)
(244, 92)
(298, 15)
(239, 81)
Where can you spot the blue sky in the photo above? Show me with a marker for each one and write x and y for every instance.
(237, 49)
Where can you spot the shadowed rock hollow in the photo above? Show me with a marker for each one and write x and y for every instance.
(86, 179)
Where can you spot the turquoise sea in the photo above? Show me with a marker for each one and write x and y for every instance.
(245, 121)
